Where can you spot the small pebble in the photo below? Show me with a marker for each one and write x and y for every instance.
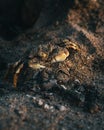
(40, 102)
(46, 107)
(61, 108)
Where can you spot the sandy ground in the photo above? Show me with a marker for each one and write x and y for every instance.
(52, 110)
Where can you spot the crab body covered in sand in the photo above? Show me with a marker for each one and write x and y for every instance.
(46, 65)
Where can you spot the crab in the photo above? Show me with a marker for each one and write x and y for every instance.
(43, 58)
